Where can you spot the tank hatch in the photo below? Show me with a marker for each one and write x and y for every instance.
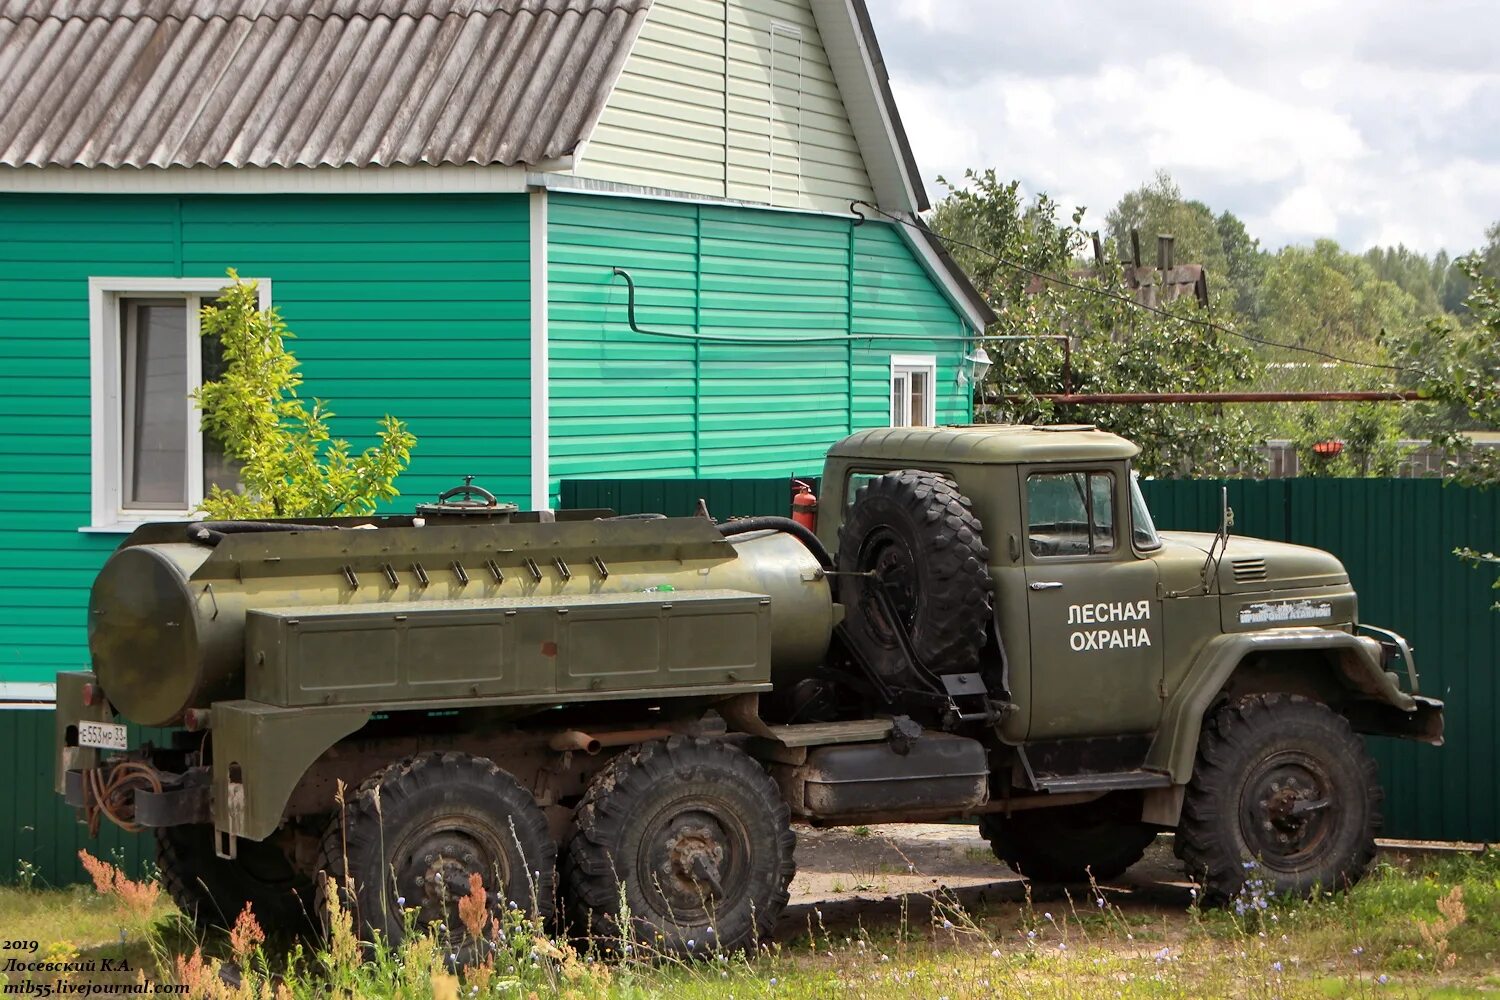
(468, 500)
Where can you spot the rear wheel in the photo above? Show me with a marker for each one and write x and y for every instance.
(213, 890)
(414, 833)
(1283, 792)
(694, 835)
(1071, 843)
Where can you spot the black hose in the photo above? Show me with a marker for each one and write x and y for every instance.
(786, 525)
(211, 533)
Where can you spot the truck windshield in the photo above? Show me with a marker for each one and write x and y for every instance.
(1143, 529)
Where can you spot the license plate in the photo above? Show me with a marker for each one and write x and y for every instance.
(101, 735)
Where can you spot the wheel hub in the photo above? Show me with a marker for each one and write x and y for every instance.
(888, 558)
(1288, 810)
(434, 875)
(688, 862)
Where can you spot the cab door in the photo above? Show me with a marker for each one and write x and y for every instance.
(1092, 604)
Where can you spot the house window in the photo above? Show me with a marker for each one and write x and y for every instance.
(913, 390)
(151, 459)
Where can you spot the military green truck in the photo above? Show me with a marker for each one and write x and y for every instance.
(580, 707)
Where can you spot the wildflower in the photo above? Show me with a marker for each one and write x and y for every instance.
(995, 953)
(1193, 892)
(691, 942)
(1247, 865)
(1031, 935)
(773, 980)
(1100, 901)
(710, 932)
(1357, 950)
(885, 958)
(401, 901)
(1062, 946)
(1383, 979)
(1163, 955)
(246, 935)
(1047, 915)
(947, 925)
(1276, 966)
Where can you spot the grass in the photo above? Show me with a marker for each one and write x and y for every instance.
(1424, 927)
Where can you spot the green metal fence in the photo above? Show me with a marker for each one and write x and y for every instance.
(1396, 537)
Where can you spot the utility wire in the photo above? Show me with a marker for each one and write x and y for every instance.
(1107, 293)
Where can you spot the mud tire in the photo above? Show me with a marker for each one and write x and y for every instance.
(213, 890)
(1243, 749)
(922, 536)
(1068, 844)
(642, 827)
(450, 806)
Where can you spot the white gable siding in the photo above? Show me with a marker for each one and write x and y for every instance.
(730, 99)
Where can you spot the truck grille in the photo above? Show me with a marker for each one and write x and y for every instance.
(1249, 570)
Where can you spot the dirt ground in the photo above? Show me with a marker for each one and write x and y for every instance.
(862, 873)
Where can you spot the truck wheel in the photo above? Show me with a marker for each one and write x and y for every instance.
(1070, 843)
(696, 836)
(1284, 786)
(921, 538)
(413, 833)
(213, 890)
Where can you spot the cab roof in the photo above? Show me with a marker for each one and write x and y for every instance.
(987, 444)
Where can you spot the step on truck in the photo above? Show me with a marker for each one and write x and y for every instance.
(584, 709)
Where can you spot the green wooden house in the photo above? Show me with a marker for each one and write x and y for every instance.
(437, 195)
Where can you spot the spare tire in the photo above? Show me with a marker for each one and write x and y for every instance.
(922, 540)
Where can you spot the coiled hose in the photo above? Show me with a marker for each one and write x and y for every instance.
(786, 525)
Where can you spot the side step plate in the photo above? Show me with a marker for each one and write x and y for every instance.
(1105, 782)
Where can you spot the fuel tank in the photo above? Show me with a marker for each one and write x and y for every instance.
(167, 613)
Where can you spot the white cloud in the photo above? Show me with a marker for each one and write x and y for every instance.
(1365, 121)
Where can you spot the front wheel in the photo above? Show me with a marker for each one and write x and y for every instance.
(1283, 792)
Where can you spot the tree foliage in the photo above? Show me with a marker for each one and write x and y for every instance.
(1117, 347)
(1456, 365)
(290, 463)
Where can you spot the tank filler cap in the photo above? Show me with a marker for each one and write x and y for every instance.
(468, 499)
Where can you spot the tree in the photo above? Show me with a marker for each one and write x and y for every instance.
(291, 465)
(1232, 258)
(1117, 346)
(1458, 366)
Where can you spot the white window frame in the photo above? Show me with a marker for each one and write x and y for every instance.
(902, 366)
(106, 387)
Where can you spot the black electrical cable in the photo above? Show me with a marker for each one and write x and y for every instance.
(1106, 293)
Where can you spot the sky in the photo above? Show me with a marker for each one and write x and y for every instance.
(1371, 121)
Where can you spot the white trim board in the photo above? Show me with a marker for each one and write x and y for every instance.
(541, 441)
(104, 392)
(21, 694)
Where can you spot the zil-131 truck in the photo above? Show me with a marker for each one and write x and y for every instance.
(582, 708)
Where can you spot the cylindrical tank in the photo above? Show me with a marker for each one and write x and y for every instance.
(167, 618)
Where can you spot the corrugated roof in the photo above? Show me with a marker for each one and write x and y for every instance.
(306, 83)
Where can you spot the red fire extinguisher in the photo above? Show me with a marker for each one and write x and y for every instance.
(804, 505)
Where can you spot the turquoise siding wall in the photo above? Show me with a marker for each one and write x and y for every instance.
(417, 306)
(624, 404)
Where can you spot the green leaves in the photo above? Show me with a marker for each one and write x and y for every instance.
(291, 465)
(1117, 347)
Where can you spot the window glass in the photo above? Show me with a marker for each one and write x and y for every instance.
(154, 404)
(920, 389)
(857, 480)
(1143, 528)
(1070, 513)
